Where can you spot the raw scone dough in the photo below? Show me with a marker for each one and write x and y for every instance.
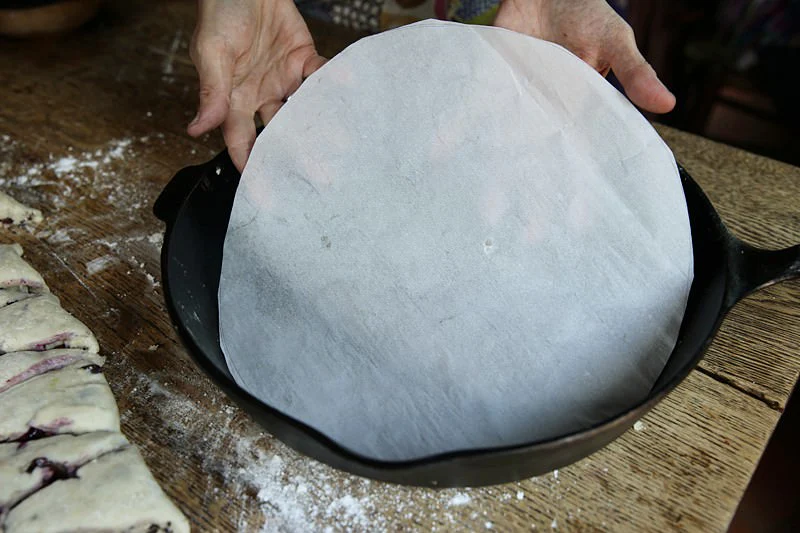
(15, 272)
(13, 295)
(115, 492)
(43, 483)
(27, 468)
(73, 399)
(18, 280)
(13, 213)
(39, 324)
(16, 367)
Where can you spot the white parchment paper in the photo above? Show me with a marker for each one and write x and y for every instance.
(454, 237)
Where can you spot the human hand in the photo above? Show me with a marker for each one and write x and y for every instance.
(250, 56)
(591, 30)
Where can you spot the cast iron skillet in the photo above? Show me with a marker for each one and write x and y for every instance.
(196, 206)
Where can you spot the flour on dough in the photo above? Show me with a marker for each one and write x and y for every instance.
(41, 323)
(18, 367)
(26, 469)
(18, 280)
(115, 492)
(74, 399)
(13, 213)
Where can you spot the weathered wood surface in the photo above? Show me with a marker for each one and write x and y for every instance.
(91, 129)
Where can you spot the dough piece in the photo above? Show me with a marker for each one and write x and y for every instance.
(18, 280)
(17, 367)
(41, 324)
(115, 492)
(72, 399)
(26, 469)
(13, 295)
(13, 213)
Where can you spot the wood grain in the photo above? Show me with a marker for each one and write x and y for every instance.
(115, 98)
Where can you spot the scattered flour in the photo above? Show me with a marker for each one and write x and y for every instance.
(60, 236)
(99, 264)
(152, 280)
(295, 493)
(639, 426)
(102, 183)
(57, 179)
(459, 499)
(63, 165)
(117, 150)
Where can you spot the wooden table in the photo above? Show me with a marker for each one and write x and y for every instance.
(91, 128)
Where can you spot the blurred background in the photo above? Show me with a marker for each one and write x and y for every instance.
(734, 67)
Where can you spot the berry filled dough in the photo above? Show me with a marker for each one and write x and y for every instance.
(41, 323)
(18, 280)
(113, 493)
(74, 399)
(27, 468)
(16, 367)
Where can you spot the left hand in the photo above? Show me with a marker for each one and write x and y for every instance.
(591, 30)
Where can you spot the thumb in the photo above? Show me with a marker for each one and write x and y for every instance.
(638, 78)
(215, 70)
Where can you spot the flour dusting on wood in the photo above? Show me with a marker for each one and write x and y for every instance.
(111, 191)
(296, 493)
(98, 265)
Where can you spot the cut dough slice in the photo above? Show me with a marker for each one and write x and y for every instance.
(16, 272)
(18, 280)
(72, 399)
(17, 367)
(13, 295)
(115, 492)
(27, 468)
(41, 324)
(13, 213)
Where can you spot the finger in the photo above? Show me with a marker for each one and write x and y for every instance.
(637, 77)
(312, 64)
(239, 132)
(304, 66)
(215, 70)
(268, 110)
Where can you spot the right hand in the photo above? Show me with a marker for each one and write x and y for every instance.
(250, 56)
(591, 30)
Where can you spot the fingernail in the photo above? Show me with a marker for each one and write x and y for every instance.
(195, 119)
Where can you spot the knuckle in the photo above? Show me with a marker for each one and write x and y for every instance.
(208, 91)
(626, 32)
(204, 46)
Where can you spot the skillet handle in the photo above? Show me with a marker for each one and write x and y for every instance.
(752, 268)
(176, 191)
(183, 183)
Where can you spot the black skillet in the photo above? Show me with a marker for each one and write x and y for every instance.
(196, 206)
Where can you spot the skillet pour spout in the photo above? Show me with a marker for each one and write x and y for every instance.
(196, 206)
